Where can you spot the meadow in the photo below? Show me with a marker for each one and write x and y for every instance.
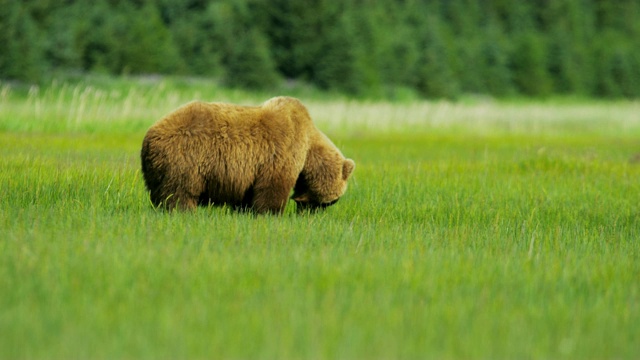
(471, 229)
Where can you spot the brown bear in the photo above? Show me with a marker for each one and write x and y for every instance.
(242, 156)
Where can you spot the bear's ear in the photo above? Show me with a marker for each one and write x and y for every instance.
(347, 168)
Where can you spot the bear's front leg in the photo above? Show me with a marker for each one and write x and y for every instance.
(270, 195)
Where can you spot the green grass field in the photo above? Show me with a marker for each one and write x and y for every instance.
(475, 229)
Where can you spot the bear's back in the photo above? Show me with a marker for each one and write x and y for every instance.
(276, 117)
(247, 136)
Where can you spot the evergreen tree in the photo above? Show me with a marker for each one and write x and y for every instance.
(98, 37)
(463, 18)
(197, 43)
(245, 51)
(529, 65)
(298, 32)
(249, 64)
(126, 39)
(617, 75)
(337, 64)
(435, 77)
(21, 57)
(495, 61)
(569, 26)
(399, 57)
(61, 47)
(146, 46)
(438, 48)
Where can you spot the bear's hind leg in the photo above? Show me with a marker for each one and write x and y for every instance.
(169, 196)
(180, 200)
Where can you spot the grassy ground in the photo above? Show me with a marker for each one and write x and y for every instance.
(470, 230)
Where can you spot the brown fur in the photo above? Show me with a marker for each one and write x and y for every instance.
(246, 157)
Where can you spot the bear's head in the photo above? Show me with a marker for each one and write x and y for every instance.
(323, 179)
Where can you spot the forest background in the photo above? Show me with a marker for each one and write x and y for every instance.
(428, 49)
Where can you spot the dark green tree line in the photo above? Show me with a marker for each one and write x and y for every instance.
(435, 48)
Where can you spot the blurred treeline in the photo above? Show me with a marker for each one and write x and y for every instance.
(433, 48)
